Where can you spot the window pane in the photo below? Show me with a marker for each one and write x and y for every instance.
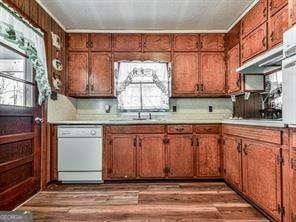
(154, 98)
(130, 98)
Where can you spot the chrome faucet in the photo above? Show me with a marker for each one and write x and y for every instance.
(150, 116)
(139, 115)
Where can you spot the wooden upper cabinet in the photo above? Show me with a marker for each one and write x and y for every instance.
(122, 156)
(127, 42)
(186, 42)
(101, 74)
(181, 156)
(234, 80)
(212, 72)
(100, 42)
(275, 5)
(208, 155)
(156, 43)
(292, 12)
(255, 43)
(78, 42)
(151, 156)
(185, 73)
(212, 42)
(78, 73)
(232, 38)
(232, 161)
(277, 25)
(254, 18)
(262, 175)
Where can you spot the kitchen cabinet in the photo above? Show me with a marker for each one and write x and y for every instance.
(292, 176)
(212, 42)
(262, 175)
(275, 6)
(185, 77)
(232, 161)
(292, 12)
(78, 73)
(122, 154)
(156, 43)
(78, 42)
(186, 42)
(180, 156)
(277, 25)
(254, 18)
(101, 74)
(100, 42)
(127, 42)
(255, 43)
(212, 73)
(234, 78)
(208, 155)
(232, 38)
(151, 156)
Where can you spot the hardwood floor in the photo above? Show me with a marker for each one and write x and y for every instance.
(200, 201)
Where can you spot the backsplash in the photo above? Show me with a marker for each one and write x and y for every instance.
(87, 109)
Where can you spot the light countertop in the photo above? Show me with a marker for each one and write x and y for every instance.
(255, 122)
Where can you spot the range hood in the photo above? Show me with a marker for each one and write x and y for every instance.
(268, 62)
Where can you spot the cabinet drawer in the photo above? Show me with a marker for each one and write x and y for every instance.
(180, 129)
(207, 129)
(136, 129)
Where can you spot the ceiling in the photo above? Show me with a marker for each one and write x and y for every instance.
(146, 15)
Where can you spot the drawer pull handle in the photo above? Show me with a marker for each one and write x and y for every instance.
(180, 129)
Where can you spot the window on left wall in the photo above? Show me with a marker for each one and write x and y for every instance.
(17, 84)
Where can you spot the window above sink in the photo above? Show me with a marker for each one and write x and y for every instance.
(143, 85)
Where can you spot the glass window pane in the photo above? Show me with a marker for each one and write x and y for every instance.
(130, 98)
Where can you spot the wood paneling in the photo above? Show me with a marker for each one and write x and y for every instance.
(15, 125)
(275, 6)
(292, 12)
(156, 42)
(127, 42)
(232, 38)
(133, 129)
(100, 42)
(248, 108)
(186, 42)
(78, 42)
(15, 150)
(212, 42)
(180, 129)
(233, 62)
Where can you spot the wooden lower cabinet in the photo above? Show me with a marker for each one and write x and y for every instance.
(262, 175)
(181, 156)
(232, 161)
(292, 178)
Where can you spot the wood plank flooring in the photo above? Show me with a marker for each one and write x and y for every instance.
(199, 201)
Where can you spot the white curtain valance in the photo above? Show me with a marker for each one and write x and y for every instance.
(20, 35)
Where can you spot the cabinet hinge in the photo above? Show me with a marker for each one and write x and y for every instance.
(166, 140)
(166, 169)
(280, 159)
(281, 209)
(293, 164)
(110, 142)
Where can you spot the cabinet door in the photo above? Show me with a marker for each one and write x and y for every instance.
(185, 74)
(293, 185)
(262, 175)
(78, 73)
(101, 42)
(212, 42)
(276, 5)
(151, 156)
(186, 42)
(277, 26)
(208, 156)
(122, 156)
(101, 74)
(234, 80)
(292, 12)
(254, 18)
(181, 156)
(157, 43)
(232, 161)
(78, 42)
(212, 72)
(255, 43)
(127, 42)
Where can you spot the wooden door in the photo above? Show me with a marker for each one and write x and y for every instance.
(151, 156)
(255, 17)
(277, 25)
(232, 161)
(262, 175)
(181, 156)
(208, 156)
(276, 5)
(292, 12)
(186, 42)
(185, 74)
(122, 156)
(234, 78)
(212, 42)
(78, 73)
(212, 71)
(101, 74)
(127, 42)
(255, 43)
(78, 42)
(100, 42)
(156, 43)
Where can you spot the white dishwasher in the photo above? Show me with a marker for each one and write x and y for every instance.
(80, 153)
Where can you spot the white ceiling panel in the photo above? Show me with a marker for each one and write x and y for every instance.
(146, 15)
